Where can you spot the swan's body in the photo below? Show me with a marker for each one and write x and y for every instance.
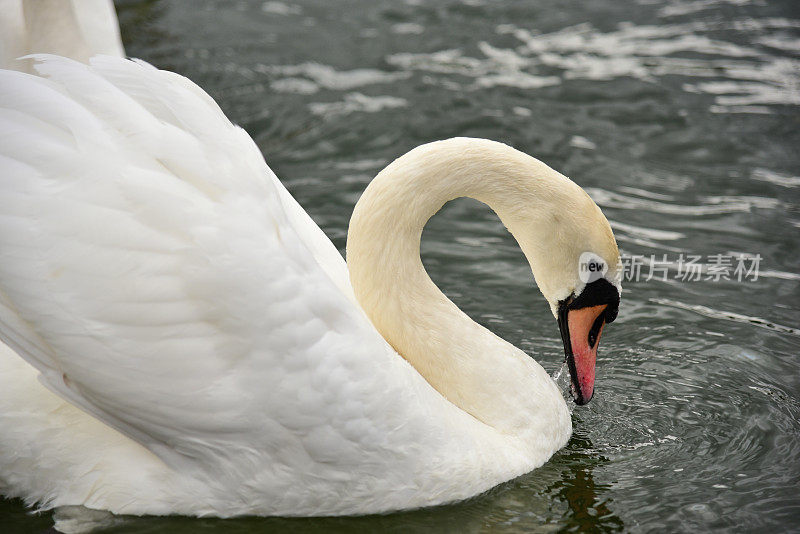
(200, 334)
(77, 29)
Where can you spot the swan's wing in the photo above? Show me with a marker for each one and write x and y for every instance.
(160, 277)
(160, 92)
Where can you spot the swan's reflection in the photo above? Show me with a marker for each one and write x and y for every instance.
(589, 509)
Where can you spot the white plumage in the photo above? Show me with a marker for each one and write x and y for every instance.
(77, 29)
(161, 279)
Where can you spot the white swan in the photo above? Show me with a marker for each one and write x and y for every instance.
(77, 29)
(204, 333)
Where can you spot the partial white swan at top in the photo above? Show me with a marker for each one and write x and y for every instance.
(200, 347)
(78, 29)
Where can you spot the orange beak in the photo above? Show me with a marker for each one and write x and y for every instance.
(580, 331)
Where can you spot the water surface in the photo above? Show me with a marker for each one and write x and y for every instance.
(680, 118)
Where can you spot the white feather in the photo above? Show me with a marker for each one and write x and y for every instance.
(162, 280)
(77, 29)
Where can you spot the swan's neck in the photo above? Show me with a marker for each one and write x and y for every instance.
(473, 368)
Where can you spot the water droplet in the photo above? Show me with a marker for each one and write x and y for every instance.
(564, 384)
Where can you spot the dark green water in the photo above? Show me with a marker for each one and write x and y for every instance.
(681, 119)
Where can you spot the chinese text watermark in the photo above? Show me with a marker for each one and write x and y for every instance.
(690, 267)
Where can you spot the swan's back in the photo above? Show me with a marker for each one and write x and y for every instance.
(160, 278)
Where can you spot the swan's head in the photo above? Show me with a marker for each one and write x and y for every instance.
(576, 263)
(581, 319)
(562, 232)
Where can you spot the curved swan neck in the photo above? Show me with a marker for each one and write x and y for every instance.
(470, 366)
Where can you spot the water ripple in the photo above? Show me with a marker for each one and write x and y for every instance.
(649, 52)
(766, 175)
(741, 78)
(713, 204)
(730, 316)
(357, 102)
(307, 78)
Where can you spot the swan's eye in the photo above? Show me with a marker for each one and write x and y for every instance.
(594, 332)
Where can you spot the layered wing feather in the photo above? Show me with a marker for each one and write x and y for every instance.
(161, 278)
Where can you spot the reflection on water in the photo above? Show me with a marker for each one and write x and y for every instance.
(680, 118)
(589, 502)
